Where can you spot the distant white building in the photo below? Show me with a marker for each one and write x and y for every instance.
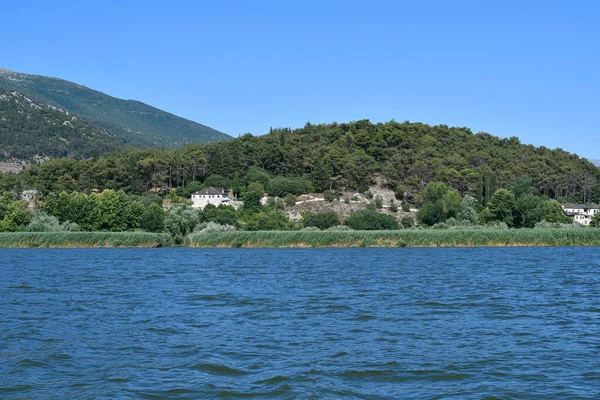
(211, 195)
(581, 213)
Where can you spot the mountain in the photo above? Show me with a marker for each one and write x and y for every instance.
(130, 121)
(596, 163)
(29, 129)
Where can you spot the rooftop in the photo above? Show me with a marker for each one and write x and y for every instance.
(212, 191)
(579, 206)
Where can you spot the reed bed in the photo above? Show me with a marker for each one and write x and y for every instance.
(402, 238)
(85, 239)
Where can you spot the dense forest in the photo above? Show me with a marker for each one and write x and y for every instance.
(331, 157)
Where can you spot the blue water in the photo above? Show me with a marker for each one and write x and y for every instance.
(300, 323)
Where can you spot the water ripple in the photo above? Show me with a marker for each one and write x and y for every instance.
(300, 323)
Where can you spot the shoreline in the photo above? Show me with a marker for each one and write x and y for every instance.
(402, 238)
(84, 240)
(466, 238)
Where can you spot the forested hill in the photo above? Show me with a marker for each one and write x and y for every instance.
(131, 121)
(348, 155)
(595, 162)
(29, 129)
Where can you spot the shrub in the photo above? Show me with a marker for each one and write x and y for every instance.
(369, 220)
(405, 206)
(208, 227)
(153, 218)
(42, 222)
(290, 200)
(393, 206)
(378, 202)
(408, 222)
(329, 195)
(181, 220)
(321, 220)
(220, 215)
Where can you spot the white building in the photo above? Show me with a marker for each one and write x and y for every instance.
(211, 195)
(581, 213)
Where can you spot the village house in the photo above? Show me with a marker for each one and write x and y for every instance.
(581, 213)
(211, 195)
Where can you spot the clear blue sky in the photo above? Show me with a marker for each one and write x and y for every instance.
(511, 68)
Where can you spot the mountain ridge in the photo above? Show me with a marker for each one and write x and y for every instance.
(137, 123)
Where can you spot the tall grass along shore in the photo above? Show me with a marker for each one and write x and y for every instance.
(85, 239)
(403, 238)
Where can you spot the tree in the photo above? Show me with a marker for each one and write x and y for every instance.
(466, 211)
(501, 207)
(322, 220)
(42, 222)
(252, 201)
(369, 220)
(595, 222)
(281, 186)
(16, 217)
(290, 200)
(220, 215)
(181, 220)
(153, 218)
(393, 206)
(439, 204)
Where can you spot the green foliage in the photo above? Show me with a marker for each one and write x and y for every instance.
(405, 206)
(501, 207)
(393, 206)
(256, 174)
(28, 130)
(408, 222)
(274, 220)
(122, 119)
(220, 215)
(281, 186)
(378, 202)
(466, 211)
(439, 204)
(595, 222)
(252, 201)
(369, 220)
(329, 195)
(42, 222)
(189, 189)
(217, 181)
(321, 220)
(211, 227)
(153, 218)
(117, 213)
(181, 220)
(402, 238)
(290, 200)
(84, 239)
(16, 217)
(348, 153)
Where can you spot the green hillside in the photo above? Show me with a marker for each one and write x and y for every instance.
(406, 157)
(29, 129)
(132, 121)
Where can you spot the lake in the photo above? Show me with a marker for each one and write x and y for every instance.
(184, 323)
